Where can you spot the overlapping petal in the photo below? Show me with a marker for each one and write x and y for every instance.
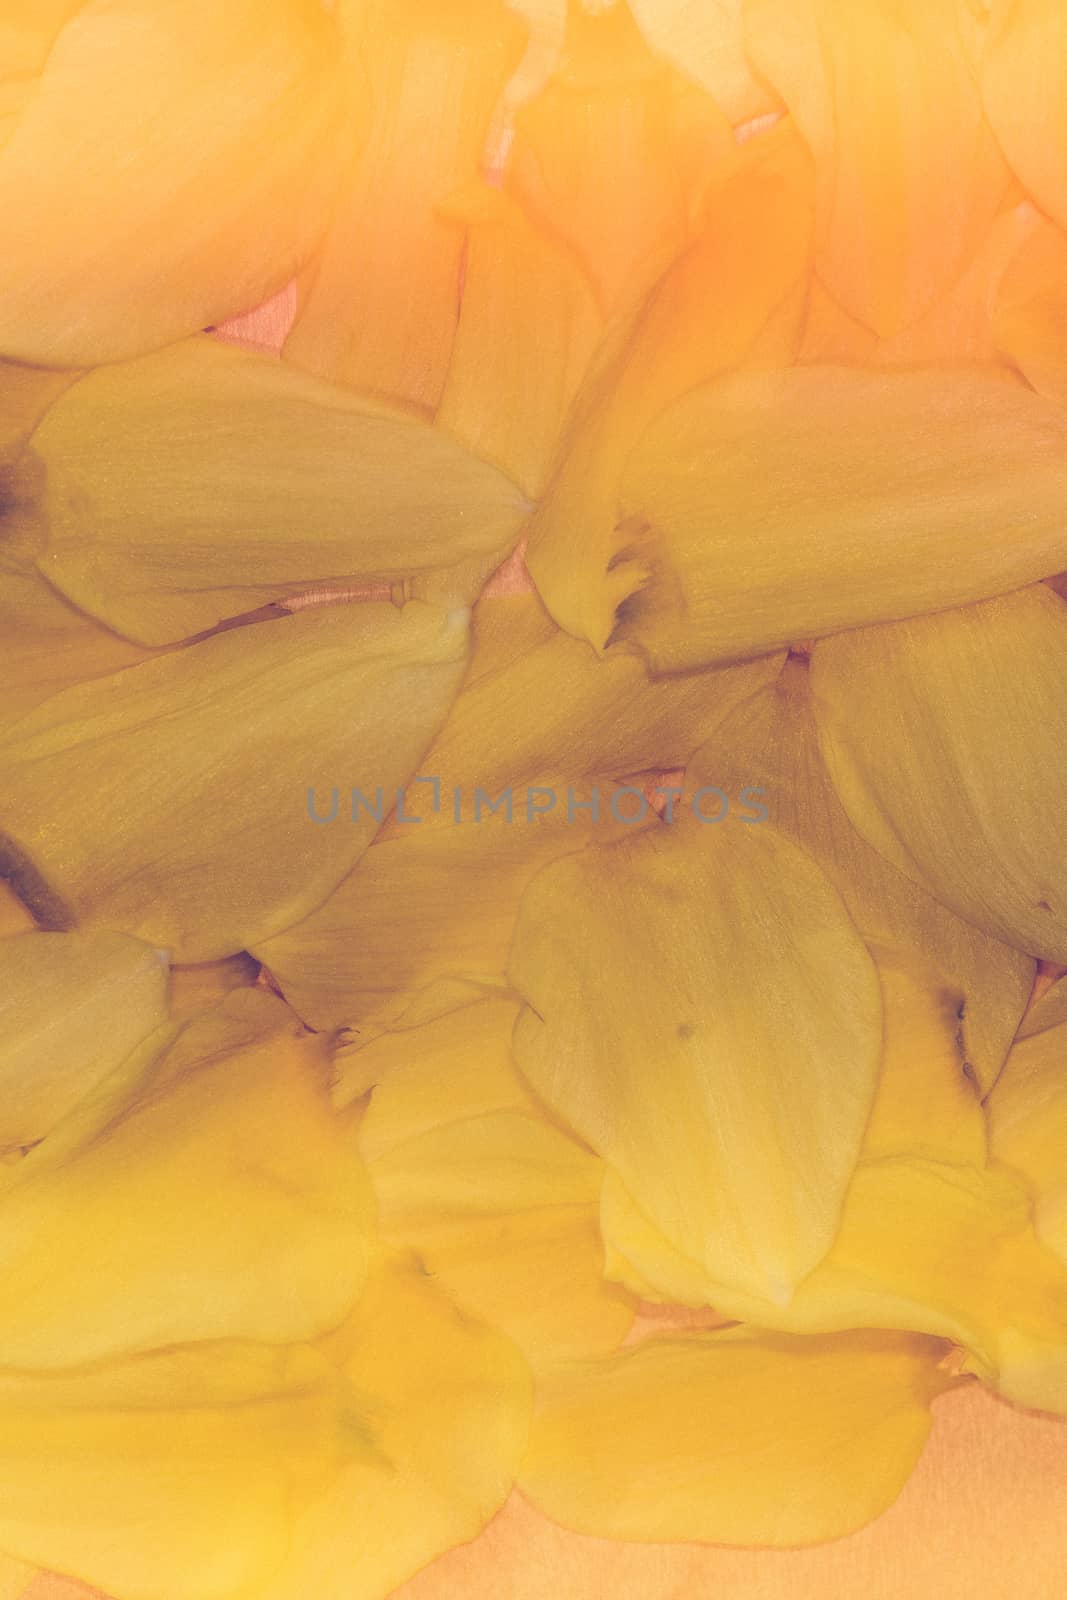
(202, 481)
(785, 506)
(172, 165)
(196, 769)
(1024, 88)
(949, 758)
(1028, 1119)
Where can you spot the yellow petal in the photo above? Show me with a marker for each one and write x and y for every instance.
(953, 767)
(738, 287)
(1031, 313)
(776, 507)
(15, 917)
(194, 771)
(614, 154)
(500, 1205)
(214, 1197)
(15, 1578)
(705, 40)
(769, 745)
(72, 1007)
(25, 395)
(173, 165)
(1028, 1125)
(378, 304)
(910, 175)
(448, 1401)
(528, 326)
(179, 1471)
(702, 1012)
(194, 988)
(733, 1437)
(202, 481)
(1024, 86)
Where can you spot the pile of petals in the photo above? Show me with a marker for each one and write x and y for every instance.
(414, 989)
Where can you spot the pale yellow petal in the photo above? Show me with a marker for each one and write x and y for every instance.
(72, 1007)
(174, 164)
(1028, 1125)
(705, 40)
(379, 301)
(1030, 325)
(1024, 86)
(733, 1437)
(176, 800)
(202, 481)
(218, 1196)
(769, 748)
(193, 988)
(781, 506)
(951, 765)
(15, 1578)
(702, 1012)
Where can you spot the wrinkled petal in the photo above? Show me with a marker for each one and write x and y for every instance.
(528, 326)
(500, 1205)
(178, 1470)
(703, 1013)
(72, 1007)
(734, 296)
(614, 155)
(194, 988)
(1030, 324)
(1028, 1125)
(173, 165)
(951, 766)
(379, 301)
(196, 767)
(448, 1401)
(910, 175)
(769, 745)
(776, 507)
(202, 481)
(1024, 86)
(733, 1437)
(212, 1194)
(705, 40)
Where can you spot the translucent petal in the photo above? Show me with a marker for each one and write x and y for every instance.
(200, 836)
(1031, 313)
(733, 1437)
(910, 175)
(1028, 1125)
(214, 1197)
(449, 1403)
(528, 326)
(180, 1469)
(615, 153)
(379, 302)
(500, 1205)
(705, 40)
(736, 288)
(72, 1007)
(953, 767)
(173, 165)
(703, 1013)
(777, 507)
(1024, 86)
(769, 744)
(202, 481)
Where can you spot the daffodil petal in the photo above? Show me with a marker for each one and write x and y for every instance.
(734, 296)
(701, 1010)
(218, 1197)
(448, 1400)
(781, 506)
(705, 40)
(173, 165)
(1024, 87)
(201, 481)
(1030, 322)
(952, 767)
(72, 1007)
(769, 747)
(379, 300)
(1028, 1126)
(194, 988)
(195, 769)
(910, 174)
(179, 1469)
(734, 1437)
(15, 1578)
